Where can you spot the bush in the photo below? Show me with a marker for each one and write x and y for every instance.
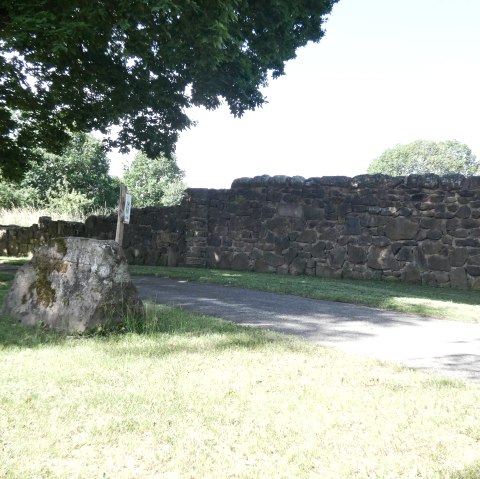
(12, 195)
(66, 200)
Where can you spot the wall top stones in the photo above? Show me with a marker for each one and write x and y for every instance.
(427, 181)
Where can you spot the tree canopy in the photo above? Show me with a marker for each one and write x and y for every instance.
(78, 66)
(422, 157)
(154, 182)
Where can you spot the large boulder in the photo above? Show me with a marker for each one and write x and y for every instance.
(74, 285)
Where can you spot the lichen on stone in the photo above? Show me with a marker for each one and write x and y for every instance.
(60, 245)
(44, 267)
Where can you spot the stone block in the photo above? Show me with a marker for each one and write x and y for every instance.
(458, 278)
(260, 266)
(459, 233)
(273, 259)
(458, 256)
(474, 283)
(313, 213)
(324, 271)
(381, 241)
(411, 273)
(356, 254)
(352, 225)
(405, 253)
(401, 228)
(474, 259)
(328, 234)
(286, 209)
(434, 234)
(74, 285)
(318, 250)
(463, 212)
(381, 258)
(434, 247)
(297, 266)
(240, 262)
(473, 270)
(307, 236)
(438, 263)
(473, 242)
(337, 257)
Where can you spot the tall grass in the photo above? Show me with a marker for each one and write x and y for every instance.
(29, 216)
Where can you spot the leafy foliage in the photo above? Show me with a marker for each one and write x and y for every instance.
(78, 66)
(82, 166)
(14, 196)
(154, 182)
(64, 199)
(422, 157)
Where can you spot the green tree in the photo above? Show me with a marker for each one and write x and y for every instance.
(66, 200)
(78, 66)
(422, 157)
(156, 182)
(83, 164)
(12, 195)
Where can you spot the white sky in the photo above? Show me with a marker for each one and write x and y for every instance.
(386, 72)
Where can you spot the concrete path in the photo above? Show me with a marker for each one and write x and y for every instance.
(441, 346)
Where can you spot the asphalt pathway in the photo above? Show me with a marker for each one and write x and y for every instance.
(440, 346)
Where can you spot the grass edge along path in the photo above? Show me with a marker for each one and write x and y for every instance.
(429, 301)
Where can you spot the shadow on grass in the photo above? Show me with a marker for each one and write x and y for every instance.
(470, 472)
(172, 330)
(169, 330)
(161, 321)
(16, 335)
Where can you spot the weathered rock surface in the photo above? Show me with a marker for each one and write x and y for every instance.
(74, 285)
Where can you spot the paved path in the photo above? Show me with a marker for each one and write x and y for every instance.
(447, 347)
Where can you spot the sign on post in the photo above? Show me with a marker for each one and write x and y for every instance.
(121, 215)
(128, 207)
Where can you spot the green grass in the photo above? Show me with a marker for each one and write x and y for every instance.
(9, 260)
(429, 301)
(188, 396)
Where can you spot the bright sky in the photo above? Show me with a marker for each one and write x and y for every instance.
(386, 72)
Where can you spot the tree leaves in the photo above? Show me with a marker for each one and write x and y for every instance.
(154, 182)
(422, 157)
(138, 64)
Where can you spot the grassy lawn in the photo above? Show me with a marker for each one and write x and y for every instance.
(9, 260)
(410, 298)
(188, 396)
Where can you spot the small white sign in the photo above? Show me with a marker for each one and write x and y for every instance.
(128, 207)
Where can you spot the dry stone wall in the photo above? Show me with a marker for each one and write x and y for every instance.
(420, 228)
(416, 228)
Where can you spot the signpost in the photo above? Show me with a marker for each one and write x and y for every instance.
(128, 207)
(121, 214)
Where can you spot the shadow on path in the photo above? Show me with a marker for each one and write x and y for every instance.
(447, 347)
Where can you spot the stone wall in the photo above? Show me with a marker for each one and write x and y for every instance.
(417, 228)
(154, 237)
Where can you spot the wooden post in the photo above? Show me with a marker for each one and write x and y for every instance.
(121, 213)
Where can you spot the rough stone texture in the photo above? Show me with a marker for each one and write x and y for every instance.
(74, 285)
(416, 228)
